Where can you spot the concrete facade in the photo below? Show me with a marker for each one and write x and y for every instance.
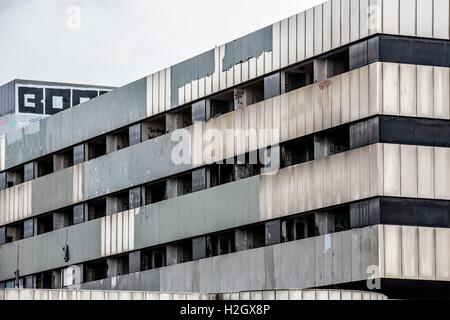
(348, 100)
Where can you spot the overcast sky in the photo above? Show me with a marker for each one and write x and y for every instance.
(114, 42)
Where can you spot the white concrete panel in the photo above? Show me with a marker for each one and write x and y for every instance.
(441, 19)
(222, 74)
(393, 251)
(301, 109)
(301, 36)
(409, 170)
(201, 86)
(326, 107)
(390, 88)
(410, 253)
(252, 66)
(336, 23)
(188, 92)
(375, 88)
(425, 91)
(355, 175)
(327, 24)
(149, 96)
(391, 165)
(194, 89)
(425, 175)
(408, 17)
(230, 77)
(267, 62)
(354, 20)
(309, 111)
(309, 33)
(363, 18)
(168, 89)
(336, 101)
(441, 96)
(181, 95)
(391, 16)
(364, 172)
(354, 95)
(345, 98)
(345, 22)
(245, 71)
(424, 18)
(443, 254)
(408, 85)
(216, 74)
(292, 103)
(318, 114)
(162, 91)
(375, 16)
(364, 92)
(155, 93)
(318, 30)
(292, 40)
(276, 30)
(442, 173)
(260, 65)
(427, 254)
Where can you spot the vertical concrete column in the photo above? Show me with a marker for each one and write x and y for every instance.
(320, 147)
(115, 267)
(60, 220)
(273, 232)
(174, 121)
(134, 262)
(2, 235)
(199, 248)
(111, 143)
(135, 198)
(323, 69)
(56, 279)
(135, 134)
(60, 162)
(113, 205)
(273, 86)
(79, 215)
(174, 255)
(201, 111)
(201, 179)
(3, 183)
(174, 188)
(243, 97)
(243, 240)
(325, 223)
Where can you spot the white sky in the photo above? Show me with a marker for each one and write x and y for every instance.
(119, 41)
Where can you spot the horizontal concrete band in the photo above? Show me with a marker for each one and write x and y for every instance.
(95, 295)
(376, 170)
(318, 30)
(339, 258)
(375, 89)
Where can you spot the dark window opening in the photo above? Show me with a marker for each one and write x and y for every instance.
(15, 177)
(43, 280)
(96, 270)
(331, 142)
(299, 228)
(96, 209)
(221, 104)
(153, 259)
(297, 151)
(96, 148)
(63, 218)
(116, 141)
(118, 202)
(221, 174)
(299, 77)
(221, 244)
(342, 219)
(44, 224)
(63, 160)
(14, 232)
(44, 166)
(155, 192)
(185, 182)
(153, 128)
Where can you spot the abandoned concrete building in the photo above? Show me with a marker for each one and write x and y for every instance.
(355, 97)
